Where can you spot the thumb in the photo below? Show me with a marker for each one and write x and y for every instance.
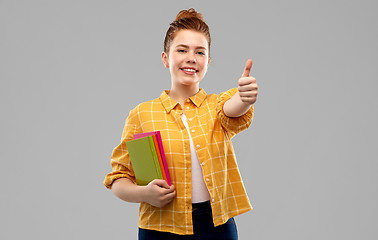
(247, 69)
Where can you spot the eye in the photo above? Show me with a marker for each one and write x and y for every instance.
(201, 53)
(180, 50)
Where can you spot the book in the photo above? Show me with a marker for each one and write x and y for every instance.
(163, 163)
(159, 156)
(144, 160)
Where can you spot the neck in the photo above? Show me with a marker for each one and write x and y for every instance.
(182, 92)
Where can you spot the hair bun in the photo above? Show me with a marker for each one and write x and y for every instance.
(190, 13)
(189, 20)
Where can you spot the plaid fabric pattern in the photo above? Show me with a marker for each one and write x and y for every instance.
(212, 132)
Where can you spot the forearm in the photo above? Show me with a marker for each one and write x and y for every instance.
(235, 107)
(126, 190)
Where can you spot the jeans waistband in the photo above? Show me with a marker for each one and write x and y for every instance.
(201, 206)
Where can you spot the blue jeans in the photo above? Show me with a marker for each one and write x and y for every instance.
(203, 227)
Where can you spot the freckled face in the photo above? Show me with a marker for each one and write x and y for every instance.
(188, 58)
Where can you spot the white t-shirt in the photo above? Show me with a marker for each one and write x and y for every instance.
(200, 193)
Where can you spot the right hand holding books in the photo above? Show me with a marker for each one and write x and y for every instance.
(159, 193)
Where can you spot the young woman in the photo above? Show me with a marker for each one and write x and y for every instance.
(196, 128)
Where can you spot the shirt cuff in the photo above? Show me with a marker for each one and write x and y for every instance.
(233, 124)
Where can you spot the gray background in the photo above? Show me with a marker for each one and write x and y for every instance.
(72, 70)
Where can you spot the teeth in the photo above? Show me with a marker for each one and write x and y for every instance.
(189, 70)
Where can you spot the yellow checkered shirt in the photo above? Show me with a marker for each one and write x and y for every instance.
(211, 131)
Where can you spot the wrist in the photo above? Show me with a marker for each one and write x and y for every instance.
(235, 107)
(143, 193)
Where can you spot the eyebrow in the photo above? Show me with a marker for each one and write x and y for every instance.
(186, 46)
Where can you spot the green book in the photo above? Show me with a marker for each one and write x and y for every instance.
(144, 160)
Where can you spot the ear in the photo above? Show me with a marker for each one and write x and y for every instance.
(208, 62)
(164, 58)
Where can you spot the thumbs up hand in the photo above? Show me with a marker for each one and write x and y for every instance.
(247, 85)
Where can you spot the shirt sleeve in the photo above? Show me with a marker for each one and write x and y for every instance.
(120, 159)
(232, 125)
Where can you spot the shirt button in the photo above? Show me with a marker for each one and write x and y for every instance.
(190, 119)
(207, 180)
(193, 130)
(188, 100)
(198, 146)
(203, 164)
(213, 200)
(187, 108)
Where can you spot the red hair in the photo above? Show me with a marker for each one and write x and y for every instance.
(189, 20)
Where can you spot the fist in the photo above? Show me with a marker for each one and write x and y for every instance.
(158, 193)
(247, 85)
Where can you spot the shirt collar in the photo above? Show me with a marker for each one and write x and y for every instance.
(170, 104)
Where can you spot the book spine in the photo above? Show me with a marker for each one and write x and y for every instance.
(162, 153)
(156, 160)
(159, 156)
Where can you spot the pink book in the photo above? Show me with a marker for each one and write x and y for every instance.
(160, 143)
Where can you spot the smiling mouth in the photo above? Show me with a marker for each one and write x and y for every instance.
(189, 70)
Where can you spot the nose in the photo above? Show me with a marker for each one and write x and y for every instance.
(191, 58)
